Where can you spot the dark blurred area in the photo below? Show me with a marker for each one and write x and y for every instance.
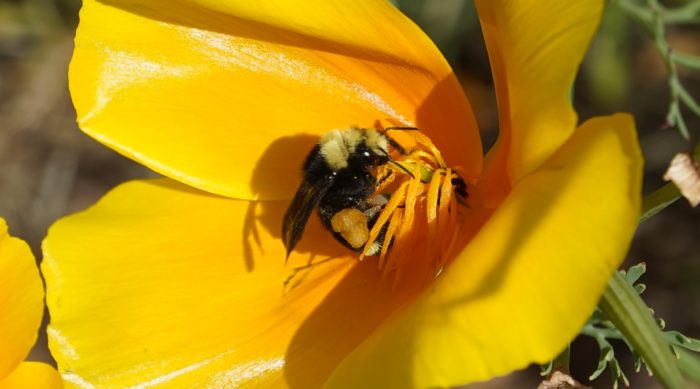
(48, 168)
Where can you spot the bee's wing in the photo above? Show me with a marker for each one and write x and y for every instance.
(306, 199)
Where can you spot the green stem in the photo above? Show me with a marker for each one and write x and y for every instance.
(689, 100)
(688, 60)
(654, 18)
(657, 201)
(689, 365)
(687, 14)
(642, 15)
(664, 196)
(626, 310)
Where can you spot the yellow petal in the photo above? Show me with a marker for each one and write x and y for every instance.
(21, 300)
(32, 375)
(535, 48)
(229, 96)
(529, 279)
(161, 284)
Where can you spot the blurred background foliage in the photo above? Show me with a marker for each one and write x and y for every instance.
(48, 168)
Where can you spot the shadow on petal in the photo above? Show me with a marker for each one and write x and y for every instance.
(278, 173)
(445, 116)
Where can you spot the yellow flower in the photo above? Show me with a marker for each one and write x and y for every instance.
(21, 306)
(181, 282)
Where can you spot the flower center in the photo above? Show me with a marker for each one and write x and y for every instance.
(420, 217)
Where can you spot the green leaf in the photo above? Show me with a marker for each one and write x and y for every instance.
(545, 370)
(659, 321)
(640, 288)
(634, 272)
(637, 363)
(617, 374)
(678, 339)
(606, 355)
(623, 306)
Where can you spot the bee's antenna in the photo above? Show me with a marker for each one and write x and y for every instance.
(401, 128)
(402, 168)
(391, 140)
(391, 160)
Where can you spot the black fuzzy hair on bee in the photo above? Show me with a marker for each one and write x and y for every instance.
(337, 176)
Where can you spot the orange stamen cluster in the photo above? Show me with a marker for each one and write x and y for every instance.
(421, 211)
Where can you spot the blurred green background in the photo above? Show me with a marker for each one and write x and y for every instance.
(48, 168)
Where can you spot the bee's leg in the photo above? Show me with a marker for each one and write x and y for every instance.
(385, 177)
(350, 227)
(374, 206)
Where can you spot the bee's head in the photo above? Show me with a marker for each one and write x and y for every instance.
(366, 146)
(370, 156)
(377, 147)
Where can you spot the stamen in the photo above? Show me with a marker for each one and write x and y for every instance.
(422, 209)
(390, 231)
(444, 215)
(431, 207)
(406, 226)
(425, 141)
(395, 200)
(450, 238)
(444, 202)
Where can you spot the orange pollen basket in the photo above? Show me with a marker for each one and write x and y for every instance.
(422, 208)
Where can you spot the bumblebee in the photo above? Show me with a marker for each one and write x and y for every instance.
(338, 180)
